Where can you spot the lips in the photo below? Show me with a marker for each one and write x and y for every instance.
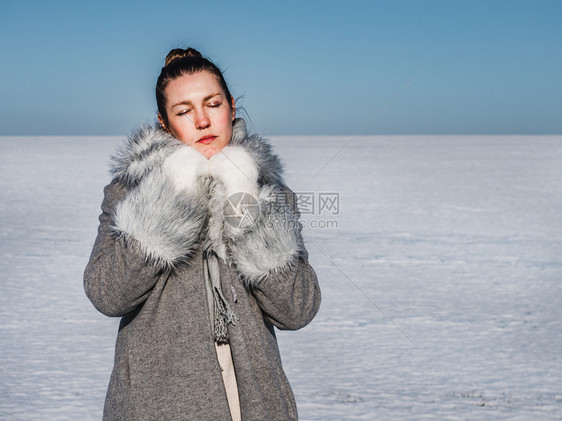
(207, 139)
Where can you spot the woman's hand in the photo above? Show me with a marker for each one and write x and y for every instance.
(184, 166)
(236, 169)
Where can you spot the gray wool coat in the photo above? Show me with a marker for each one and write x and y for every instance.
(147, 268)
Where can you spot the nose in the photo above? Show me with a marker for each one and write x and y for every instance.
(202, 121)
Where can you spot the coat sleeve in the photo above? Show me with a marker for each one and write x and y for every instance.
(117, 278)
(144, 233)
(290, 299)
(273, 262)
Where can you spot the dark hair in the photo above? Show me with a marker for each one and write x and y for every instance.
(180, 62)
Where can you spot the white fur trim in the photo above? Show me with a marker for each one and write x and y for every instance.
(165, 224)
(272, 244)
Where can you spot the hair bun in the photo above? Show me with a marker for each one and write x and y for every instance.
(177, 53)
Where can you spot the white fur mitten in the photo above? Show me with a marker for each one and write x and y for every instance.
(236, 169)
(184, 166)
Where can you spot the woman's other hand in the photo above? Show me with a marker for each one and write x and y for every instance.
(236, 169)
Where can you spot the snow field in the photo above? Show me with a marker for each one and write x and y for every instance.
(441, 282)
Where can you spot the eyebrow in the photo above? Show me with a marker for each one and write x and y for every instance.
(188, 102)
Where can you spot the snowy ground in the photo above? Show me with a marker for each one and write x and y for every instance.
(442, 292)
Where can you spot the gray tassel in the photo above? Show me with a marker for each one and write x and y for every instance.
(219, 310)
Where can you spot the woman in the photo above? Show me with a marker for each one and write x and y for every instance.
(199, 252)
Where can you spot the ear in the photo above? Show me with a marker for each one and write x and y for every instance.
(161, 120)
(233, 108)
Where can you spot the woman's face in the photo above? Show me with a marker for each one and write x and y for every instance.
(199, 113)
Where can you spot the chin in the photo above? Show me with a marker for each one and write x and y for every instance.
(208, 152)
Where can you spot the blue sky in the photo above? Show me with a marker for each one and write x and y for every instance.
(296, 67)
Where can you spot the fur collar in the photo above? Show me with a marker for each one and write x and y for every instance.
(170, 226)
